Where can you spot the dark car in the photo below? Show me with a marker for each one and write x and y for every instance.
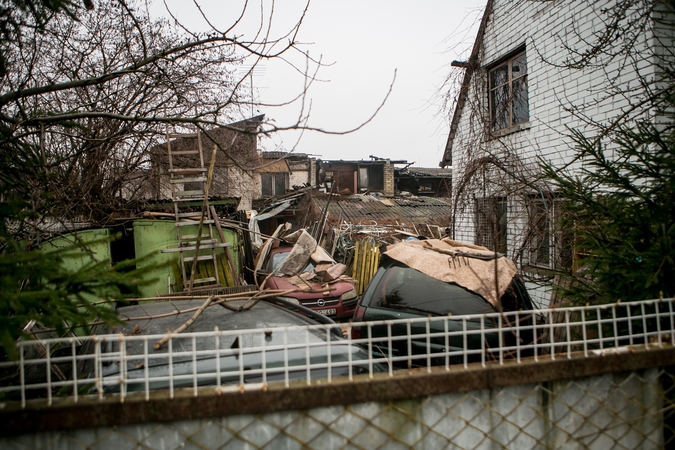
(400, 292)
(336, 299)
(255, 346)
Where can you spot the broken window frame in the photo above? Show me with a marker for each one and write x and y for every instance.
(508, 91)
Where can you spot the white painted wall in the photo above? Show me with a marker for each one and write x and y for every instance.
(545, 28)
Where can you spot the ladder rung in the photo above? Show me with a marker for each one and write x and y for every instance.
(192, 248)
(187, 180)
(199, 258)
(188, 170)
(178, 135)
(203, 288)
(185, 223)
(189, 214)
(186, 193)
(189, 199)
(202, 244)
(185, 152)
(204, 280)
(194, 236)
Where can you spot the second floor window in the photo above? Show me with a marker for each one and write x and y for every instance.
(508, 93)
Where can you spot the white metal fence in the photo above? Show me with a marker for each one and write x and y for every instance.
(251, 359)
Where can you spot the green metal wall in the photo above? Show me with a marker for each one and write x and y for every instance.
(152, 236)
(97, 249)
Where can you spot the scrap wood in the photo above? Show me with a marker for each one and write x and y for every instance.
(267, 246)
(216, 219)
(406, 233)
(184, 327)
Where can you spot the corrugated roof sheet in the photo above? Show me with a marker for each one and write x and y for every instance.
(366, 209)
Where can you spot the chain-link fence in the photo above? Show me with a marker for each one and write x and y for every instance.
(623, 411)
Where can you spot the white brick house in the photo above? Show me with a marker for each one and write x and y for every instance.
(521, 94)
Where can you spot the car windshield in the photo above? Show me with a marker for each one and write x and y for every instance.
(279, 258)
(403, 287)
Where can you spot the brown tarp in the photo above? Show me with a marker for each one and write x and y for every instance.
(470, 266)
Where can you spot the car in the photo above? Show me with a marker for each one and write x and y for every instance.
(336, 299)
(255, 347)
(398, 291)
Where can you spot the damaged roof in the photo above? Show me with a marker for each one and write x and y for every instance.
(366, 209)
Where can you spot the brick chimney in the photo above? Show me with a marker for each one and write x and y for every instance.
(388, 171)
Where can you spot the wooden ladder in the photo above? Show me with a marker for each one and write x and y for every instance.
(190, 182)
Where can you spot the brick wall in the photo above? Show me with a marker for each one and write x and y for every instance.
(508, 165)
(388, 169)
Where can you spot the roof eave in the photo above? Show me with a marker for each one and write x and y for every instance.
(466, 81)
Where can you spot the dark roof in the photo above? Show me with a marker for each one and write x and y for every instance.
(276, 154)
(426, 172)
(366, 209)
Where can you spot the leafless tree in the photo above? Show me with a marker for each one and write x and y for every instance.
(87, 94)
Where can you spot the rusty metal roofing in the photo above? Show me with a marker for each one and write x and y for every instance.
(368, 209)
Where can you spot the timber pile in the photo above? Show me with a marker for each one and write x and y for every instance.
(366, 260)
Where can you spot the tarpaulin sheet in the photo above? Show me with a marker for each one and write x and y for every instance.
(470, 266)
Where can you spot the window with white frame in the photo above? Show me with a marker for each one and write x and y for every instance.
(491, 223)
(509, 103)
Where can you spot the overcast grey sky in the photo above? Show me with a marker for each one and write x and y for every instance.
(366, 41)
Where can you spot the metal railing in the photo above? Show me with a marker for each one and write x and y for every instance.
(118, 365)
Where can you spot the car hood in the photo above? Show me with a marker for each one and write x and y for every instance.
(310, 290)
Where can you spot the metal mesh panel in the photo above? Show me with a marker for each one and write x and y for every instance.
(623, 411)
(117, 364)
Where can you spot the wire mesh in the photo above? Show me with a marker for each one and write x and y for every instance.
(107, 365)
(618, 410)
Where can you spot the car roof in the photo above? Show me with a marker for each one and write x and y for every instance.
(261, 316)
(524, 300)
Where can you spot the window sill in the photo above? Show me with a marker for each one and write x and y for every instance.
(511, 130)
(539, 270)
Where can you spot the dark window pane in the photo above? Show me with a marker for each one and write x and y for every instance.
(540, 231)
(500, 238)
(266, 181)
(499, 76)
(402, 287)
(491, 223)
(280, 184)
(375, 177)
(500, 107)
(521, 107)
